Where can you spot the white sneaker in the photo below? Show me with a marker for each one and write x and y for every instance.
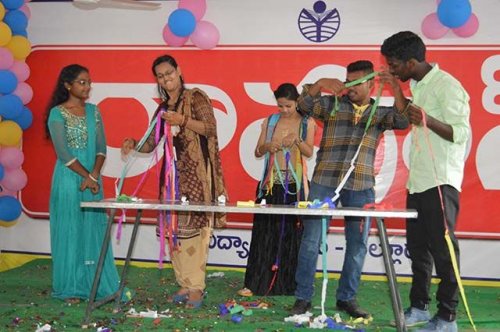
(414, 317)
(438, 324)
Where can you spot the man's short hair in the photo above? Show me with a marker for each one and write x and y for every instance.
(361, 65)
(404, 46)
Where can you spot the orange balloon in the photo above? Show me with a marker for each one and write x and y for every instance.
(4, 223)
(10, 133)
(19, 46)
(5, 34)
(2, 11)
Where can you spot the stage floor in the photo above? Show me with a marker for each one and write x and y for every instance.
(25, 302)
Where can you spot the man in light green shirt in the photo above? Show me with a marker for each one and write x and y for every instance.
(439, 113)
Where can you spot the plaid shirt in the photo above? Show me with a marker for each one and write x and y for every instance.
(341, 138)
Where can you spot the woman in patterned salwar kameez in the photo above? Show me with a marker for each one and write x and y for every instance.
(200, 178)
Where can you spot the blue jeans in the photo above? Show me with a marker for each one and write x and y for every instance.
(356, 235)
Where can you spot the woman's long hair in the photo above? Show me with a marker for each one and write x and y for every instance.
(61, 94)
(171, 61)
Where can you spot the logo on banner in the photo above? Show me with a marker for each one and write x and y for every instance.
(319, 24)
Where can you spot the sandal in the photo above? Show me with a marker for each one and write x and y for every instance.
(178, 298)
(195, 304)
(245, 292)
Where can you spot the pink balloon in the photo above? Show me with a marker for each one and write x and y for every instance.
(469, 28)
(6, 58)
(11, 157)
(197, 7)
(5, 192)
(24, 91)
(21, 70)
(205, 35)
(26, 10)
(14, 179)
(171, 39)
(432, 28)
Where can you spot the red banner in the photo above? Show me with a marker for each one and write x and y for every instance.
(118, 74)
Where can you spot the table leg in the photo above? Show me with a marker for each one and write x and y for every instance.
(127, 261)
(105, 243)
(397, 307)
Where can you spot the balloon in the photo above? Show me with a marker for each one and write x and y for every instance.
(16, 20)
(1, 172)
(469, 28)
(24, 91)
(11, 157)
(19, 46)
(181, 22)
(2, 11)
(21, 70)
(8, 81)
(196, 7)
(23, 33)
(432, 27)
(14, 180)
(205, 36)
(10, 133)
(25, 119)
(5, 192)
(12, 4)
(6, 58)
(10, 208)
(26, 10)
(5, 34)
(454, 13)
(10, 106)
(172, 39)
(4, 223)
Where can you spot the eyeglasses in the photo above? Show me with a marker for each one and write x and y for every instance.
(83, 82)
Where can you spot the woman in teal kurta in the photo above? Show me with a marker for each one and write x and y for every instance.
(76, 234)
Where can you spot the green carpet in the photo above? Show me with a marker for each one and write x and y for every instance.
(25, 302)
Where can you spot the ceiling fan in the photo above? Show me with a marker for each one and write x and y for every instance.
(120, 4)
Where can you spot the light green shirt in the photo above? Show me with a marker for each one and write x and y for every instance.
(442, 97)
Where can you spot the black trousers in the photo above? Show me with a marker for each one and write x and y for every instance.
(427, 247)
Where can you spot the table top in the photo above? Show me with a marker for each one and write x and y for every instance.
(151, 204)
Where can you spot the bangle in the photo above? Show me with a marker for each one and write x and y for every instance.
(92, 178)
(184, 121)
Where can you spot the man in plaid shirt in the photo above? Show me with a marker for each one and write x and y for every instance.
(345, 129)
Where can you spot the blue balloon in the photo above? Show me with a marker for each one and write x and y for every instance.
(8, 82)
(454, 13)
(25, 119)
(1, 172)
(16, 20)
(23, 33)
(10, 208)
(12, 4)
(181, 22)
(10, 106)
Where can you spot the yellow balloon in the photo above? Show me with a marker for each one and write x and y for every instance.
(8, 223)
(5, 34)
(10, 133)
(2, 11)
(19, 46)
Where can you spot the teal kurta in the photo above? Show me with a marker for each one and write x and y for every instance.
(76, 234)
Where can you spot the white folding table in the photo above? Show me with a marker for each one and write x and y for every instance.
(141, 205)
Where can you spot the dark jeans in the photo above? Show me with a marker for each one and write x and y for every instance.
(427, 246)
(356, 235)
